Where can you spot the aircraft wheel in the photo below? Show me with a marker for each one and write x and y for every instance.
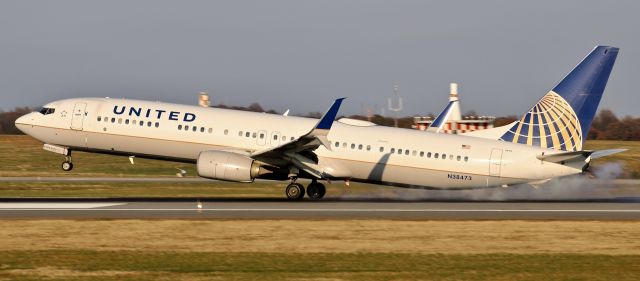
(66, 166)
(295, 191)
(316, 191)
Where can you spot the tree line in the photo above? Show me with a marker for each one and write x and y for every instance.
(606, 125)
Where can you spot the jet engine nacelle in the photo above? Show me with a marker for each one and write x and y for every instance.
(228, 166)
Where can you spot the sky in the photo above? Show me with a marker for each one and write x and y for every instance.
(300, 55)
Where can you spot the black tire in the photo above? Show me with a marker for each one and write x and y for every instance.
(316, 191)
(322, 190)
(66, 166)
(294, 191)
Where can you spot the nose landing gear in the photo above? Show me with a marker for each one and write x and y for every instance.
(67, 165)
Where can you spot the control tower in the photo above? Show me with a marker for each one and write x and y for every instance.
(456, 124)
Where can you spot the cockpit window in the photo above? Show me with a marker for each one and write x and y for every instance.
(47, 110)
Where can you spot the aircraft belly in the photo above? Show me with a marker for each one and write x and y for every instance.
(411, 176)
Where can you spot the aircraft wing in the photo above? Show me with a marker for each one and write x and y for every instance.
(299, 152)
(438, 123)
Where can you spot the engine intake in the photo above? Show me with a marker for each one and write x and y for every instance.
(228, 166)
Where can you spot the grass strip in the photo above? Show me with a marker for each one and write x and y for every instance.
(142, 265)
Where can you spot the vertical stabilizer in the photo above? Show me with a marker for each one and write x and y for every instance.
(562, 118)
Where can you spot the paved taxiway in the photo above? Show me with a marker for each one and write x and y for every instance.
(617, 209)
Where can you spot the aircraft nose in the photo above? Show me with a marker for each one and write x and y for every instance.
(23, 122)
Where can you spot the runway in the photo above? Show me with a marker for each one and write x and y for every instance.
(627, 209)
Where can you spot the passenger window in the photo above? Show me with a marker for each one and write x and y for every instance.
(119, 120)
(353, 146)
(466, 159)
(368, 147)
(284, 138)
(421, 153)
(247, 134)
(406, 152)
(393, 150)
(157, 124)
(291, 138)
(428, 154)
(399, 151)
(450, 156)
(458, 158)
(201, 129)
(180, 127)
(444, 156)
(414, 153)
(381, 149)
(99, 118)
(226, 132)
(359, 147)
(344, 145)
(113, 120)
(106, 119)
(133, 122)
(195, 128)
(239, 133)
(126, 121)
(210, 130)
(436, 155)
(149, 124)
(261, 136)
(186, 127)
(275, 137)
(141, 123)
(337, 144)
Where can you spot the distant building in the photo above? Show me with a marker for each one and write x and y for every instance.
(456, 124)
(203, 100)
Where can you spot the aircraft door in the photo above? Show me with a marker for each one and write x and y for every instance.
(495, 165)
(262, 137)
(77, 118)
(275, 139)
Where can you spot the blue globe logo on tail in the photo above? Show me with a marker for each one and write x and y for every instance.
(562, 118)
(551, 123)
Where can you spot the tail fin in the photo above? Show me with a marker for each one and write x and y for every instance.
(561, 119)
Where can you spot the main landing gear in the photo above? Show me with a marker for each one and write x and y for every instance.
(67, 165)
(296, 191)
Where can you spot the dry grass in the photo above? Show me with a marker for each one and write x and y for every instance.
(318, 236)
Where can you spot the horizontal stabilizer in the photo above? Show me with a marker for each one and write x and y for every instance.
(565, 156)
(602, 153)
(578, 155)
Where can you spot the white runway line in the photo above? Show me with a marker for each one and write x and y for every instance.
(333, 210)
(55, 206)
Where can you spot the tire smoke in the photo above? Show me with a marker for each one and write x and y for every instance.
(578, 187)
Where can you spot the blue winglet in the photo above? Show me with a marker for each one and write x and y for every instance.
(327, 119)
(443, 116)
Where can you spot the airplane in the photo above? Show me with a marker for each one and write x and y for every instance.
(242, 146)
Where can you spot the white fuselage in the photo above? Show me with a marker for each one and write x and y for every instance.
(359, 151)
